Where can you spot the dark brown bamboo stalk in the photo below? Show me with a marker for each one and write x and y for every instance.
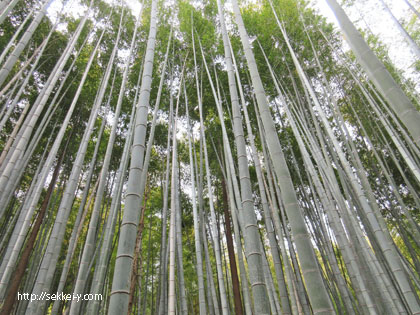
(137, 261)
(232, 261)
(24, 259)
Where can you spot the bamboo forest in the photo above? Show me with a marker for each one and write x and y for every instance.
(219, 157)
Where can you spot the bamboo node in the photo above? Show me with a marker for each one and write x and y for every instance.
(120, 291)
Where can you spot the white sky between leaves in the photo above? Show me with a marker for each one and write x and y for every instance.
(364, 13)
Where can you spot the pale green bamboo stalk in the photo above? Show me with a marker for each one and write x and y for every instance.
(212, 301)
(326, 202)
(95, 215)
(236, 210)
(172, 224)
(267, 216)
(161, 308)
(253, 248)
(244, 280)
(222, 288)
(19, 93)
(14, 227)
(402, 149)
(17, 51)
(378, 74)
(152, 132)
(197, 238)
(105, 251)
(73, 238)
(20, 169)
(179, 255)
(123, 265)
(122, 272)
(14, 81)
(300, 303)
(36, 111)
(214, 229)
(82, 148)
(81, 211)
(163, 268)
(48, 164)
(8, 7)
(412, 8)
(412, 44)
(18, 131)
(318, 295)
(15, 35)
(377, 225)
(174, 231)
